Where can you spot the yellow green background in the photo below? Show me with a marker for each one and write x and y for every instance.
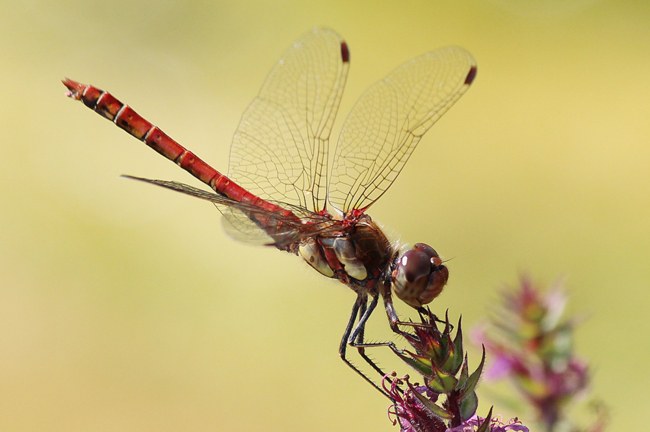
(126, 308)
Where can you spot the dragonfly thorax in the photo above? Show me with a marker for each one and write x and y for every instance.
(359, 254)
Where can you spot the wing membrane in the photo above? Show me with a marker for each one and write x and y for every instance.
(243, 221)
(389, 119)
(281, 145)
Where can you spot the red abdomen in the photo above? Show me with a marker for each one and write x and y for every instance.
(106, 105)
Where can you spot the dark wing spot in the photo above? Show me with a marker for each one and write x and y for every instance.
(345, 53)
(471, 75)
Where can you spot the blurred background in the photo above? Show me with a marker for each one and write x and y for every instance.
(124, 307)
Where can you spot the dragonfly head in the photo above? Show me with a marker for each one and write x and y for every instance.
(419, 276)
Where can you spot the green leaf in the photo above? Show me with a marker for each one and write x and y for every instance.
(446, 381)
(422, 365)
(472, 381)
(435, 384)
(464, 375)
(452, 359)
(458, 345)
(446, 351)
(468, 406)
(435, 409)
(486, 423)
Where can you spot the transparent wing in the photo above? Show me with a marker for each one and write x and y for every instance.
(388, 121)
(251, 224)
(280, 149)
(240, 226)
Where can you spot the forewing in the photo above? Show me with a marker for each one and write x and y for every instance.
(389, 119)
(280, 149)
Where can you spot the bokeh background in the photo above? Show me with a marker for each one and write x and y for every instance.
(126, 308)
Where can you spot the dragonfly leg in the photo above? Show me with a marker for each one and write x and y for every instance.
(356, 338)
(424, 312)
(394, 320)
(353, 336)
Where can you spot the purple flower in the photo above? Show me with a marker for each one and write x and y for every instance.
(494, 425)
(447, 400)
(532, 346)
(409, 410)
(438, 356)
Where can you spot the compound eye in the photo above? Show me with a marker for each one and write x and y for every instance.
(431, 252)
(419, 276)
(415, 265)
(411, 276)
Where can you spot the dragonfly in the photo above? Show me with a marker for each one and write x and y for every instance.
(284, 189)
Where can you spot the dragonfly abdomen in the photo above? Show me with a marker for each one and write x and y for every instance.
(109, 107)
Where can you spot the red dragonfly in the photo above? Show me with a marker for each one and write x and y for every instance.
(279, 190)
